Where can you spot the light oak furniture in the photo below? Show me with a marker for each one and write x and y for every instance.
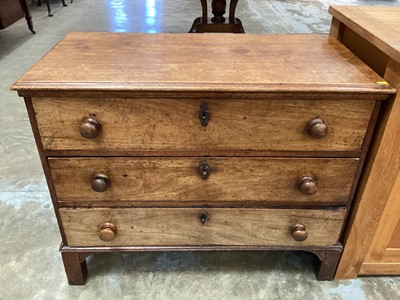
(149, 145)
(372, 239)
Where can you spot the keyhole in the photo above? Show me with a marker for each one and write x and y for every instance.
(204, 114)
(203, 218)
(204, 170)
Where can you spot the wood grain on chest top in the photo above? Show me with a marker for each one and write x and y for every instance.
(180, 62)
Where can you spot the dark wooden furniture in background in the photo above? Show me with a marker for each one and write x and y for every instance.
(218, 23)
(11, 11)
(170, 150)
(372, 239)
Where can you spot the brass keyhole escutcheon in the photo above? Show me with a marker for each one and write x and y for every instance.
(204, 170)
(204, 114)
(203, 218)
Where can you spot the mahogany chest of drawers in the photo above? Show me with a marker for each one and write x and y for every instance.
(175, 142)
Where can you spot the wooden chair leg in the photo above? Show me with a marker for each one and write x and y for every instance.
(48, 8)
(329, 262)
(28, 17)
(75, 267)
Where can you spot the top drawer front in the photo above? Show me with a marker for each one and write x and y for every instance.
(173, 124)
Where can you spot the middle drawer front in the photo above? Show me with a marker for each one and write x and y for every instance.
(200, 180)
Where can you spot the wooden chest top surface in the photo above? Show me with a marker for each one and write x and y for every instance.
(186, 62)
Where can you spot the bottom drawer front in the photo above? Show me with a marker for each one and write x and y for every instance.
(196, 226)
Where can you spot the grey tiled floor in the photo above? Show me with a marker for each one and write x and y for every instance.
(30, 265)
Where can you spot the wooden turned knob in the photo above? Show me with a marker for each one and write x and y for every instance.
(100, 183)
(307, 185)
(299, 232)
(90, 128)
(107, 232)
(317, 128)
